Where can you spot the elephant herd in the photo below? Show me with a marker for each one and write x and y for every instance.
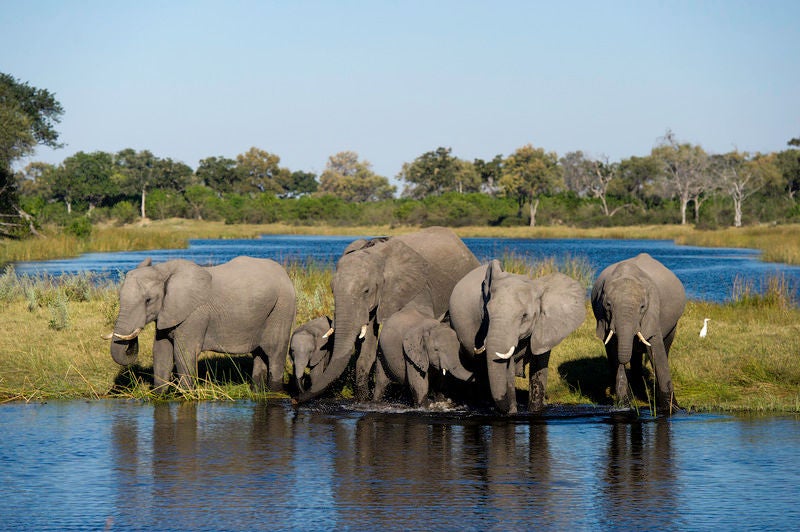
(418, 310)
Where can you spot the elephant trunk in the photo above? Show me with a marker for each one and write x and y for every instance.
(625, 336)
(500, 350)
(125, 352)
(460, 372)
(344, 343)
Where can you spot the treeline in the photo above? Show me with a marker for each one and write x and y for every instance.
(678, 182)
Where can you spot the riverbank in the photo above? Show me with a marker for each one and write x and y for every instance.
(51, 348)
(778, 243)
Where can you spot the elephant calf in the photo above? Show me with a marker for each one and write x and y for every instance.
(246, 305)
(311, 347)
(413, 345)
(637, 303)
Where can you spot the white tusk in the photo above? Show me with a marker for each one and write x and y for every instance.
(363, 332)
(645, 342)
(130, 336)
(108, 336)
(608, 338)
(327, 334)
(479, 350)
(444, 371)
(506, 356)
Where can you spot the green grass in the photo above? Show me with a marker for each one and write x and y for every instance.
(747, 362)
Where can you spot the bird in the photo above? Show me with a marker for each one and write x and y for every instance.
(704, 330)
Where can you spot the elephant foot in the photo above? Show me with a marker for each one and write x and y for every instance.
(667, 403)
(362, 394)
(536, 399)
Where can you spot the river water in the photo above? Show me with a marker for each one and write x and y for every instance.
(124, 465)
(707, 273)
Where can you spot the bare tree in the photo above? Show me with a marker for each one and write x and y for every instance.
(741, 175)
(590, 177)
(683, 166)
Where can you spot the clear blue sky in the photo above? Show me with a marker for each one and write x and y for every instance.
(392, 80)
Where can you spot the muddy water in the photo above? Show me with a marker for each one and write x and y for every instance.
(244, 466)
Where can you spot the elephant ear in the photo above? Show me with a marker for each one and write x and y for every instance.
(414, 352)
(187, 288)
(406, 281)
(651, 321)
(145, 263)
(322, 345)
(561, 311)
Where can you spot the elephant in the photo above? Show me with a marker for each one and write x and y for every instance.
(637, 303)
(246, 305)
(376, 278)
(512, 321)
(413, 344)
(310, 347)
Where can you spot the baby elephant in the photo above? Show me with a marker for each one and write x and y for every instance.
(413, 344)
(311, 347)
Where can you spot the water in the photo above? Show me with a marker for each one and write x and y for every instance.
(253, 466)
(707, 273)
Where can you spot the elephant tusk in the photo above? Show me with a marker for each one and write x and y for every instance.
(130, 336)
(645, 342)
(479, 350)
(506, 356)
(108, 336)
(608, 338)
(327, 334)
(363, 332)
(444, 371)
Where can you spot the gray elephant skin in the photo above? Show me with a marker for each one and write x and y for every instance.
(246, 305)
(376, 278)
(637, 303)
(513, 321)
(416, 349)
(310, 348)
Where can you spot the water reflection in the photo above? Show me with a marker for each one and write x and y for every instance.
(640, 474)
(252, 466)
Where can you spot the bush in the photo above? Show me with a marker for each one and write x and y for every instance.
(80, 227)
(124, 212)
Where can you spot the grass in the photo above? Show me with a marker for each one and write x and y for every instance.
(748, 361)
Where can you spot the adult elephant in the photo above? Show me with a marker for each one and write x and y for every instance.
(376, 278)
(512, 321)
(246, 305)
(637, 303)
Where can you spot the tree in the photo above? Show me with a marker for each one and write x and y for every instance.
(259, 171)
(528, 173)
(85, 176)
(742, 175)
(637, 179)
(788, 162)
(489, 173)
(436, 172)
(218, 174)
(137, 169)
(683, 167)
(590, 177)
(348, 178)
(27, 118)
(302, 183)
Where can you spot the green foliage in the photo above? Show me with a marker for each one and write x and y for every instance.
(80, 227)
(124, 212)
(163, 204)
(59, 313)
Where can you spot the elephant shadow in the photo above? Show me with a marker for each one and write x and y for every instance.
(590, 377)
(219, 370)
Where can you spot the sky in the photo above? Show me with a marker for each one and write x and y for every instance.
(392, 80)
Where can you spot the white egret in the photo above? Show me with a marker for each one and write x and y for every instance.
(704, 330)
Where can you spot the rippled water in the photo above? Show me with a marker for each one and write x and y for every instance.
(249, 466)
(707, 273)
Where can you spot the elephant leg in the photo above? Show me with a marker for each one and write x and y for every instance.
(365, 363)
(186, 353)
(275, 350)
(419, 385)
(260, 372)
(381, 381)
(163, 362)
(623, 398)
(665, 396)
(537, 381)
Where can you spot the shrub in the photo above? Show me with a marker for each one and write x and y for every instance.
(80, 227)
(124, 212)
